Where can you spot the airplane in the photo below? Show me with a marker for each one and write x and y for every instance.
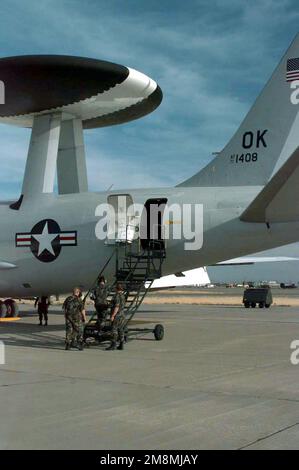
(245, 197)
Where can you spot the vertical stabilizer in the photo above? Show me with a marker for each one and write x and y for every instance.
(268, 135)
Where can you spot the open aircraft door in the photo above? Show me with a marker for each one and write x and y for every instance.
(151, 226)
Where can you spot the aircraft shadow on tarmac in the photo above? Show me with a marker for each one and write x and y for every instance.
(31, 336)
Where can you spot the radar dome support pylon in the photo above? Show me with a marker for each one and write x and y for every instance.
(71, 160)
(41, 161)
(55, 145)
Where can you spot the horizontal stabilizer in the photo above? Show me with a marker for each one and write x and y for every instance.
(278, 200)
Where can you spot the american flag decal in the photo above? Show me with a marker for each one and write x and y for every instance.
(292, 70)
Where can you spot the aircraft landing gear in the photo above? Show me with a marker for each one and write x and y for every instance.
(9, 308)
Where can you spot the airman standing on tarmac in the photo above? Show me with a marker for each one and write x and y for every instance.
(42, 304)
(74, 312)
(117, 319)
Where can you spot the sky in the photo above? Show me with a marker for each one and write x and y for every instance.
(211, 59)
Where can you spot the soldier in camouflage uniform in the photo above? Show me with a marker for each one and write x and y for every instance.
(117, 319)
(74, 313)
(99, 295)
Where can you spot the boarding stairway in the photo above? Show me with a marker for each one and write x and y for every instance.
(136, 269)
(137, 272)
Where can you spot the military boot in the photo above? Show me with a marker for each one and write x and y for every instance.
(67, 346)
(80, 346)
(121, 346)
(112, 346)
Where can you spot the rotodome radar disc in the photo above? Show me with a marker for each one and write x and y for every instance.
(99, 93)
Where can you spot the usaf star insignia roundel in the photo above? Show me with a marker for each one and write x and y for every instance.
(46, 240)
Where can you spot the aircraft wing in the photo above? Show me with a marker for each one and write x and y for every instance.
(277, 202)
(197, 276)
(204, 276)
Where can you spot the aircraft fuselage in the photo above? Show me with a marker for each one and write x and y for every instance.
(81, 254)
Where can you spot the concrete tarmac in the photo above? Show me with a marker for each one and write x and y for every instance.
(220, 379)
